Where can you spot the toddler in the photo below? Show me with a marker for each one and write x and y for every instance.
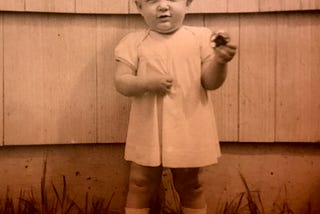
(168, 69)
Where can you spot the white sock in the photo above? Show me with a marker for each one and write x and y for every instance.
(137, 211)
(186, 210)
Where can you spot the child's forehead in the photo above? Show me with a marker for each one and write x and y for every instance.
(187, 1)
(159, 0)
(167, 0)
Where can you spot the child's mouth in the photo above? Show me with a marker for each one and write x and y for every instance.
(164, 18)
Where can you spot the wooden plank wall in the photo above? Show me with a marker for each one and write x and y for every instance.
(1, 81)
(298, 78)
(127, 6)
(257, 78)
(56, 73)
(49, 78)
(225, 100)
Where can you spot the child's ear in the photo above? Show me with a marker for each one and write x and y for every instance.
(138, 4)
(189, 2)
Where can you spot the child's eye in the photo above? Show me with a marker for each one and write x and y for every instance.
(154, 1)
(151, 1)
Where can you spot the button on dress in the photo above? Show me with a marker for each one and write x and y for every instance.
(177, 130)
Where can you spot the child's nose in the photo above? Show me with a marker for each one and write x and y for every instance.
(163, 5)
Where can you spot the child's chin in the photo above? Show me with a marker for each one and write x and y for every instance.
(166, 30)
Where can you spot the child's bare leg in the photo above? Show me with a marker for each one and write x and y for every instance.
(190, 188)
(143, 183)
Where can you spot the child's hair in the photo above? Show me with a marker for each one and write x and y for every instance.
(188, 1)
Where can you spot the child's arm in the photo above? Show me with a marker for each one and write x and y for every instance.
(214, 71)
(129, 84)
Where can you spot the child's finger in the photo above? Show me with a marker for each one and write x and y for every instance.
(169, 78)
(225, 54)
(231, 51)
(228, 49)
(233, 47)
(219, 38)
(168, 86)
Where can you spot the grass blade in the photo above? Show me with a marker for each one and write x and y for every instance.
(44, 202)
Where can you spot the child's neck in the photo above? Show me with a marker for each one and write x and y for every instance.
(167, 33)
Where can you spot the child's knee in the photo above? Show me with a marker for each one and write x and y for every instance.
(141, 182)
(144, 179)
(194, 187)
(189, 183)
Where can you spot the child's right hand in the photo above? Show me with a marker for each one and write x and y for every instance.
(158, 83)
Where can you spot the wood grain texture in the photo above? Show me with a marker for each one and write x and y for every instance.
(12, 5)
(50, 76)
(269, 5)
(132, 7)
(113, 108)
(225, 99)
(243, 6)
(127, 6)
(203, 6)
(290, 4)
(310, 4)
(51, 5)
(208, 6)
(257, 78)
(194, 20)
(102, 6)
(1, 80)
(58, 71)
(136, 22)
(285, 5)
(298, 77)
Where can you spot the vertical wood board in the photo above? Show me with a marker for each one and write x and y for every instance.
(50, 79)
(132, 7)
(310, 4)
(1, 79)
(269, 5)
(225, 99)
(208, 6)
(243, 6)
(290, 4)
(281, 5)
(257, 78)
(127, 6)
(113, 108)
(22, 54)
(194, 20)
(203, 6)
(12, 5)
(102, 6)
(298, 77)
(51, 5)
(136, 22)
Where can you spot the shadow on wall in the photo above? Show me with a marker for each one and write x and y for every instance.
(94, 110)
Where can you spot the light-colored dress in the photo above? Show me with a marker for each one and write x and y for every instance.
(178, 129)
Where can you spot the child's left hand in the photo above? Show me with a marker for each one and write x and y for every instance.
(224, 52)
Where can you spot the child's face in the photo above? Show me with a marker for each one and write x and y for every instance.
(163, 16)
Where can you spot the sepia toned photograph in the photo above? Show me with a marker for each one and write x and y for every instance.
(160, 106)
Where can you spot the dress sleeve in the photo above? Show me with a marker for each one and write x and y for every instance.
(126, 50)
(206, 49)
